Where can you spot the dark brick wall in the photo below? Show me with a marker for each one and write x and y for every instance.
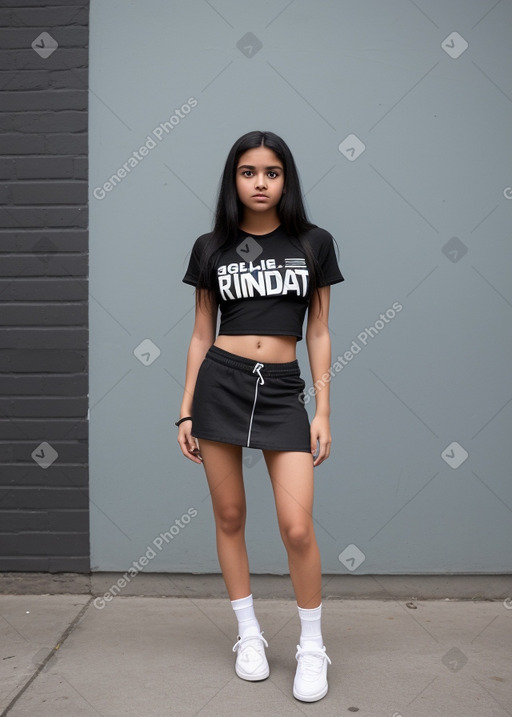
(44, 503)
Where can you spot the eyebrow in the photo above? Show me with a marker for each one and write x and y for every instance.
(250, 166)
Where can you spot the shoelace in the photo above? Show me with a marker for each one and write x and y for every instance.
(241, 640)
(309, 658)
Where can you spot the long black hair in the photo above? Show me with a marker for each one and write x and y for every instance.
(229, 211)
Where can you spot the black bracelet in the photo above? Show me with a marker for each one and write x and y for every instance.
(186, 418)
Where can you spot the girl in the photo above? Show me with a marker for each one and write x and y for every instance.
(263, 265)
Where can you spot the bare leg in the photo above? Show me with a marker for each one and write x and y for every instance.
(223, 466)
(292, 479)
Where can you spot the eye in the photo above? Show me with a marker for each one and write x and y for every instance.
(246, 172)
(276, 175)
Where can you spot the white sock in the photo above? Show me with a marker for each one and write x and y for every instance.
(244, 611)
(311, 632)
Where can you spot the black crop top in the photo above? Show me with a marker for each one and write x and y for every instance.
(262, 281)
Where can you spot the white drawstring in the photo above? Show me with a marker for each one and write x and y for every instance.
(257, 369)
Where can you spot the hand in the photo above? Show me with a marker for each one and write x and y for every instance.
(321, 432)
(188, 444)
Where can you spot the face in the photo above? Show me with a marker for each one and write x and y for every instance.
(259, 179)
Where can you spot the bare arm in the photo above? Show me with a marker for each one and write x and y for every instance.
(203, 336)
(318, 342)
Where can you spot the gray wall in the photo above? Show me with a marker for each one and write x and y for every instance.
(419, 477)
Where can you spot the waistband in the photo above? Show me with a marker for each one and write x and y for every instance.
(247, 365)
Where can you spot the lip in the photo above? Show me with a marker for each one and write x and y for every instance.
(259, 196)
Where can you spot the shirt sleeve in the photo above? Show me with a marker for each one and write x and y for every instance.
(326, 256)
(192, 273)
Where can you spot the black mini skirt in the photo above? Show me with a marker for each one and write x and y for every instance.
(248, 403)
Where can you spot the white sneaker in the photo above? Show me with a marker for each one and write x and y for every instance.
(251, 661)
(310, 682)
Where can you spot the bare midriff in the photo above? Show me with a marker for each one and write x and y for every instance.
(267, 349)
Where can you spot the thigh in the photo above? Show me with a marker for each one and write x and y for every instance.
(292, 476)
(223, 467)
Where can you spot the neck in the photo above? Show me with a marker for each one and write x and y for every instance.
(257, 223)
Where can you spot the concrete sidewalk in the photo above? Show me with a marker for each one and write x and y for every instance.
(156, 656)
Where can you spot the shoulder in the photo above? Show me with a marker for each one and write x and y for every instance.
(195, 258)
(320, 239)
(318, 235)
(200, 245)
(202, 240)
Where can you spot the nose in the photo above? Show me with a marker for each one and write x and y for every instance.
(261, 182)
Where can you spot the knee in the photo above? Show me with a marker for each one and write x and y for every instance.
(298, 537)
(231, 519)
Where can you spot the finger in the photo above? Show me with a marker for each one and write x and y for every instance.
(195, 459)
(197, 455)
(320, 458)
(193, 450)
(193, 444)
(189, 448)
(192, 455)
(323, 453)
